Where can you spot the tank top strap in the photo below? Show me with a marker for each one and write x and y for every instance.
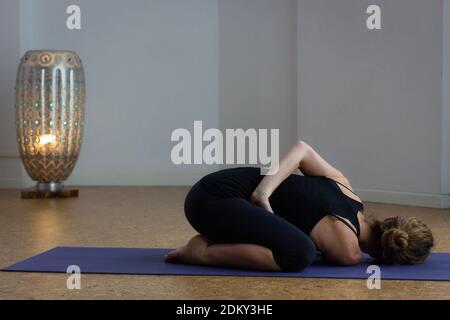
(354, 227)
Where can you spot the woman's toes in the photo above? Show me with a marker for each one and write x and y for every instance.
(172, 256)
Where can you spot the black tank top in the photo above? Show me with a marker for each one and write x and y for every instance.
(301, 200)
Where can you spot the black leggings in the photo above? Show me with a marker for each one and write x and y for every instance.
(237, 220)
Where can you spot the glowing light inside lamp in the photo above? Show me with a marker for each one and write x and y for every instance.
(47, 139)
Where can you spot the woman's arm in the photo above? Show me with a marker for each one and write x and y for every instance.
(271, 181)
(300, 156)
(312, 164)
(287, 165)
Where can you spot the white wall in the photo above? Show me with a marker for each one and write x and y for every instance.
(151, 67)
(375, 103)
(446, 101)
(11, 172)
(257, 63)
(372, 101)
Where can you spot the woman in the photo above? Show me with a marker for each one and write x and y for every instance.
(278, 222)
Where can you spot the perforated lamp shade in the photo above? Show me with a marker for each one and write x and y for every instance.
(50, 110)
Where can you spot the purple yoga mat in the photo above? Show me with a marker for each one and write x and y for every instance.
(151, 262)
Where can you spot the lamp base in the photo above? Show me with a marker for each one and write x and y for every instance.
(37, 193)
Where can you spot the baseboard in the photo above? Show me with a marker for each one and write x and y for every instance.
(429, 200)
(9, 153)
(14, 183)
(11, 171)
(7, 183)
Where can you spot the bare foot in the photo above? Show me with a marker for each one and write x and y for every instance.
(191, 253)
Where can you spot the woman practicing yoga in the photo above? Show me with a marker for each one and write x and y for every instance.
(278, 222)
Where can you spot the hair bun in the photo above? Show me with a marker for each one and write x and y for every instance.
(395, 239)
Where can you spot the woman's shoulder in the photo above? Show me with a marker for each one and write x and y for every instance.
(336, 241)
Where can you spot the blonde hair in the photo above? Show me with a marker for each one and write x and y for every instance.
(402, 240)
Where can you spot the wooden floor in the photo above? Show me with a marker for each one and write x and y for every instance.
(153, 217)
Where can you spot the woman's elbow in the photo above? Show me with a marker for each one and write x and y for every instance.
(302, 144)
(302, 148)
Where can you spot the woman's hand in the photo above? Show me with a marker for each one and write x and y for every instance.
(261, 200)
(273, 178)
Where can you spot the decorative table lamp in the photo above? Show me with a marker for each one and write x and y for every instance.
(50, 108)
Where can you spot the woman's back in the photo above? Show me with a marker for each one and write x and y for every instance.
(301, 200)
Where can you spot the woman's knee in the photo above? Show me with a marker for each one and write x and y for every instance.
(194, 202)
(293, 263)
(296, 259)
